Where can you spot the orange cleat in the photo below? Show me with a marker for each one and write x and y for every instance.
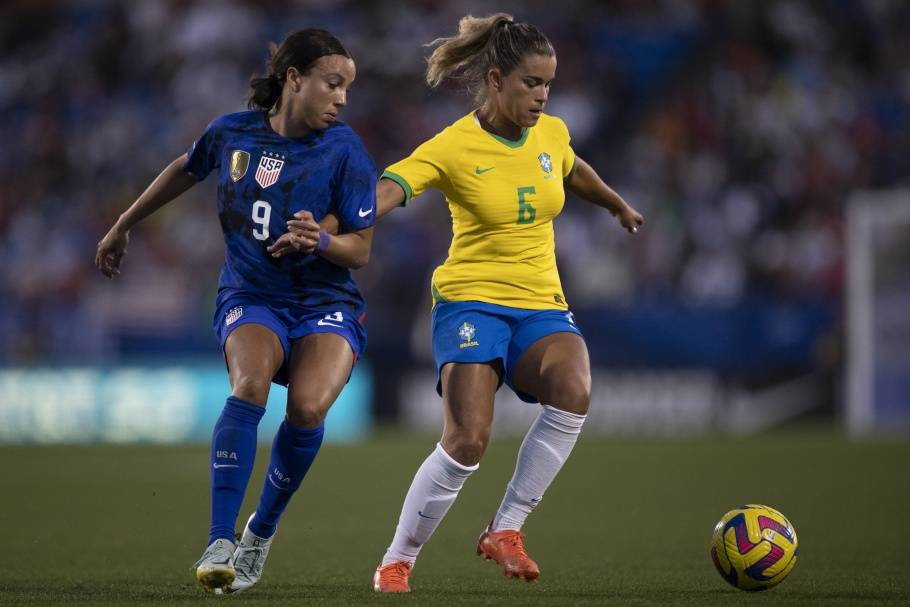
(507, 548)
(392, 577)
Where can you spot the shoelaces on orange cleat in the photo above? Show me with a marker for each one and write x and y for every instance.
(396, 573)
(515, 539)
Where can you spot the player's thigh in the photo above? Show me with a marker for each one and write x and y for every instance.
(319, 367)
(556, 370)
(254, 355)
(468, 391)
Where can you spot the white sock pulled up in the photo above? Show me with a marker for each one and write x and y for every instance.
(432, 493)
(545, 449)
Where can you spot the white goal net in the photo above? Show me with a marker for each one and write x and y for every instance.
(878, 312)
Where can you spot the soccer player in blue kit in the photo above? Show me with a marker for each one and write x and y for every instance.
(286, 311)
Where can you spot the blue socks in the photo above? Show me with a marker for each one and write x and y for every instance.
(232, 457)
(293, 451)
(233, 453)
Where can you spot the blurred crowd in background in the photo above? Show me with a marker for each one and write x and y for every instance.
(739, 129)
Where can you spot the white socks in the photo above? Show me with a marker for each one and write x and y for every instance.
(439, 479)
(545, 449)
(432, 492)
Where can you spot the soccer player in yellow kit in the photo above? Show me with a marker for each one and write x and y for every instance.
(499, 310)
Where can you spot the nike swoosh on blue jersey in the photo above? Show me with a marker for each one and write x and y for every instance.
(363, 213)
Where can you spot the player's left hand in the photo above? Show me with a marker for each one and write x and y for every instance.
(302, 236)
(630, 219)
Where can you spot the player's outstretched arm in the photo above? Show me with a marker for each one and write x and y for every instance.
(172, 182)
(585, 183)
(304, 235)
(388, 196)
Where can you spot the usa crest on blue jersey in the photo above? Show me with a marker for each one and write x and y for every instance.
(269, 168)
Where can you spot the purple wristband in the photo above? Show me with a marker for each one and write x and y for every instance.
(323, 243)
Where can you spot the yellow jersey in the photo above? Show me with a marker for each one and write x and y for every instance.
(503, 196)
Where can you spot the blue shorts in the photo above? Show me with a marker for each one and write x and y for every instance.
(476, 332)
(287, 320)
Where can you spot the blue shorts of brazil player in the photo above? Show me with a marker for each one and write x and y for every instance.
(476, 332)
(289, 321)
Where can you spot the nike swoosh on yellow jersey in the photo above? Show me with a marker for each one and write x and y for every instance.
(481, 171)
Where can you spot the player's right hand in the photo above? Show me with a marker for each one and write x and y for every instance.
(630, 219)
(111, 250)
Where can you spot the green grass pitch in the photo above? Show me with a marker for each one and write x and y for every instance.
(626, 523)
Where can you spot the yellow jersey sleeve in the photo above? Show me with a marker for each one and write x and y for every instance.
(568, 157)
(568, 162)
(425, 168)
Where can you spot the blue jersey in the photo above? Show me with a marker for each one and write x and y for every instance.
(263, 179)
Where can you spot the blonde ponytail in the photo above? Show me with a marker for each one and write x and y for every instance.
(483, 43)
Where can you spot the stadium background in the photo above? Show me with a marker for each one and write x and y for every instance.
(742, 131)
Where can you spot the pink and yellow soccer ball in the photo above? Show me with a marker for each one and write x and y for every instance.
(754, 547)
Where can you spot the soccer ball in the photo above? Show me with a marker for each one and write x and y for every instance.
(754, 547)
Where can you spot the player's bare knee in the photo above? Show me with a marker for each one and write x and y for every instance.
(251, 389)
(570, 392)
(466, 448)
(306, 415)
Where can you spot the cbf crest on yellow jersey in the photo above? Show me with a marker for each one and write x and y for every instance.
(503, 196)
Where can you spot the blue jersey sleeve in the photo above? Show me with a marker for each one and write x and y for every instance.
(204, 155)
(355, 192)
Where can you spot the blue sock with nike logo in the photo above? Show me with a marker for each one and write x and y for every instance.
(233, 454)
(293, 451)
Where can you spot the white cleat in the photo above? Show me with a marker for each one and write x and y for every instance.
(249, 559)
(215, 571)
